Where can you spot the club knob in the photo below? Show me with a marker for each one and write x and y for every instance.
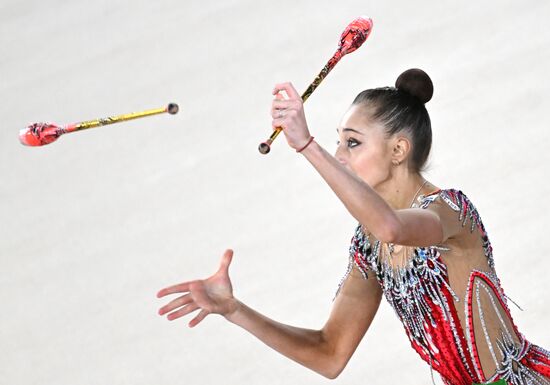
(173, 108)
(264, 148)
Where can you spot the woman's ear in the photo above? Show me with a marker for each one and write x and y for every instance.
(401, 149)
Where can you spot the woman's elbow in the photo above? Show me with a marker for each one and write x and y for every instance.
(331, 376)
(388, 232)
(332, 371)
(386, 229)
(333, 366)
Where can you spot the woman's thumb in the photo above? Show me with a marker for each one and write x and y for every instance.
(226, 260)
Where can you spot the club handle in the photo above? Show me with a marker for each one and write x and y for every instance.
(171, 108)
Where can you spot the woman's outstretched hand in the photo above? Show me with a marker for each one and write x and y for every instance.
(211, 295)
(289, 114)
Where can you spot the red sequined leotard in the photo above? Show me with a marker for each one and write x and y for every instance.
(450, 301)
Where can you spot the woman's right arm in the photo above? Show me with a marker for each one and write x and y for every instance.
(326, 351)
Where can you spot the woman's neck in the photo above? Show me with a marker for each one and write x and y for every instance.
(403, 188)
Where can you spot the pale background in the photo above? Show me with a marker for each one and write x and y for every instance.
(93, 225)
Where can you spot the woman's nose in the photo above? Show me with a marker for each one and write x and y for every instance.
(340, 155)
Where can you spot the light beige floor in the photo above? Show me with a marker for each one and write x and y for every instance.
(93, 225)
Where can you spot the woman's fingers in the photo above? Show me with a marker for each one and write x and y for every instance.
(278, 123)
(279, 111)
(182, 312)
(288, 88)
(282, 104)
(178, 302)
(211, 295)
(183, 287)
(195, 321)
(179, 288)
(288, 114)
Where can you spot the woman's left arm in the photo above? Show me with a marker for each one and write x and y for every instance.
(415, 227)
(409, 227)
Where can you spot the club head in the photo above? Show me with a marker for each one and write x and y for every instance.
(355, 34)
(39, 134)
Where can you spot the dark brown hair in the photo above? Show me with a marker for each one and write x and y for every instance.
(401, 108)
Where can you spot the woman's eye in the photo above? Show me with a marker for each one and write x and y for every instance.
(352, 143)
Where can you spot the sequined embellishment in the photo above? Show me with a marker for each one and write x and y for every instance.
(422, 298)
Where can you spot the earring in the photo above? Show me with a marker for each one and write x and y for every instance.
(395, 162)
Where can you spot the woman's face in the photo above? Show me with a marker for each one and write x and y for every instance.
(364, 148)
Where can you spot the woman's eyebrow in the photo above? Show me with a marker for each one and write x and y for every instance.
(349, 129)
(352, 130)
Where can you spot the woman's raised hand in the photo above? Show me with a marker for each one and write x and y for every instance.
(289, 115)
(211, 295)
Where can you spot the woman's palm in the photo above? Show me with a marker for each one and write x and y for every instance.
(211, 295)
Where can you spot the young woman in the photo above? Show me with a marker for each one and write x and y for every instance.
(424, 248)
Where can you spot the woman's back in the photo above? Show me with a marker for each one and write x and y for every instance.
(450, 301)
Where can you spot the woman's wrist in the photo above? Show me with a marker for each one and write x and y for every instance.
(234, 309)
(311, 148)
(304, 146)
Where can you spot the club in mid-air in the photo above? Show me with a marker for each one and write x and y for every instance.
(39, 134)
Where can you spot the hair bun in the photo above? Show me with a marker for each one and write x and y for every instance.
(416, 83)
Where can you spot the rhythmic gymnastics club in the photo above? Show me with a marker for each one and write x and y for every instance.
(39, 134)
(353, 36)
